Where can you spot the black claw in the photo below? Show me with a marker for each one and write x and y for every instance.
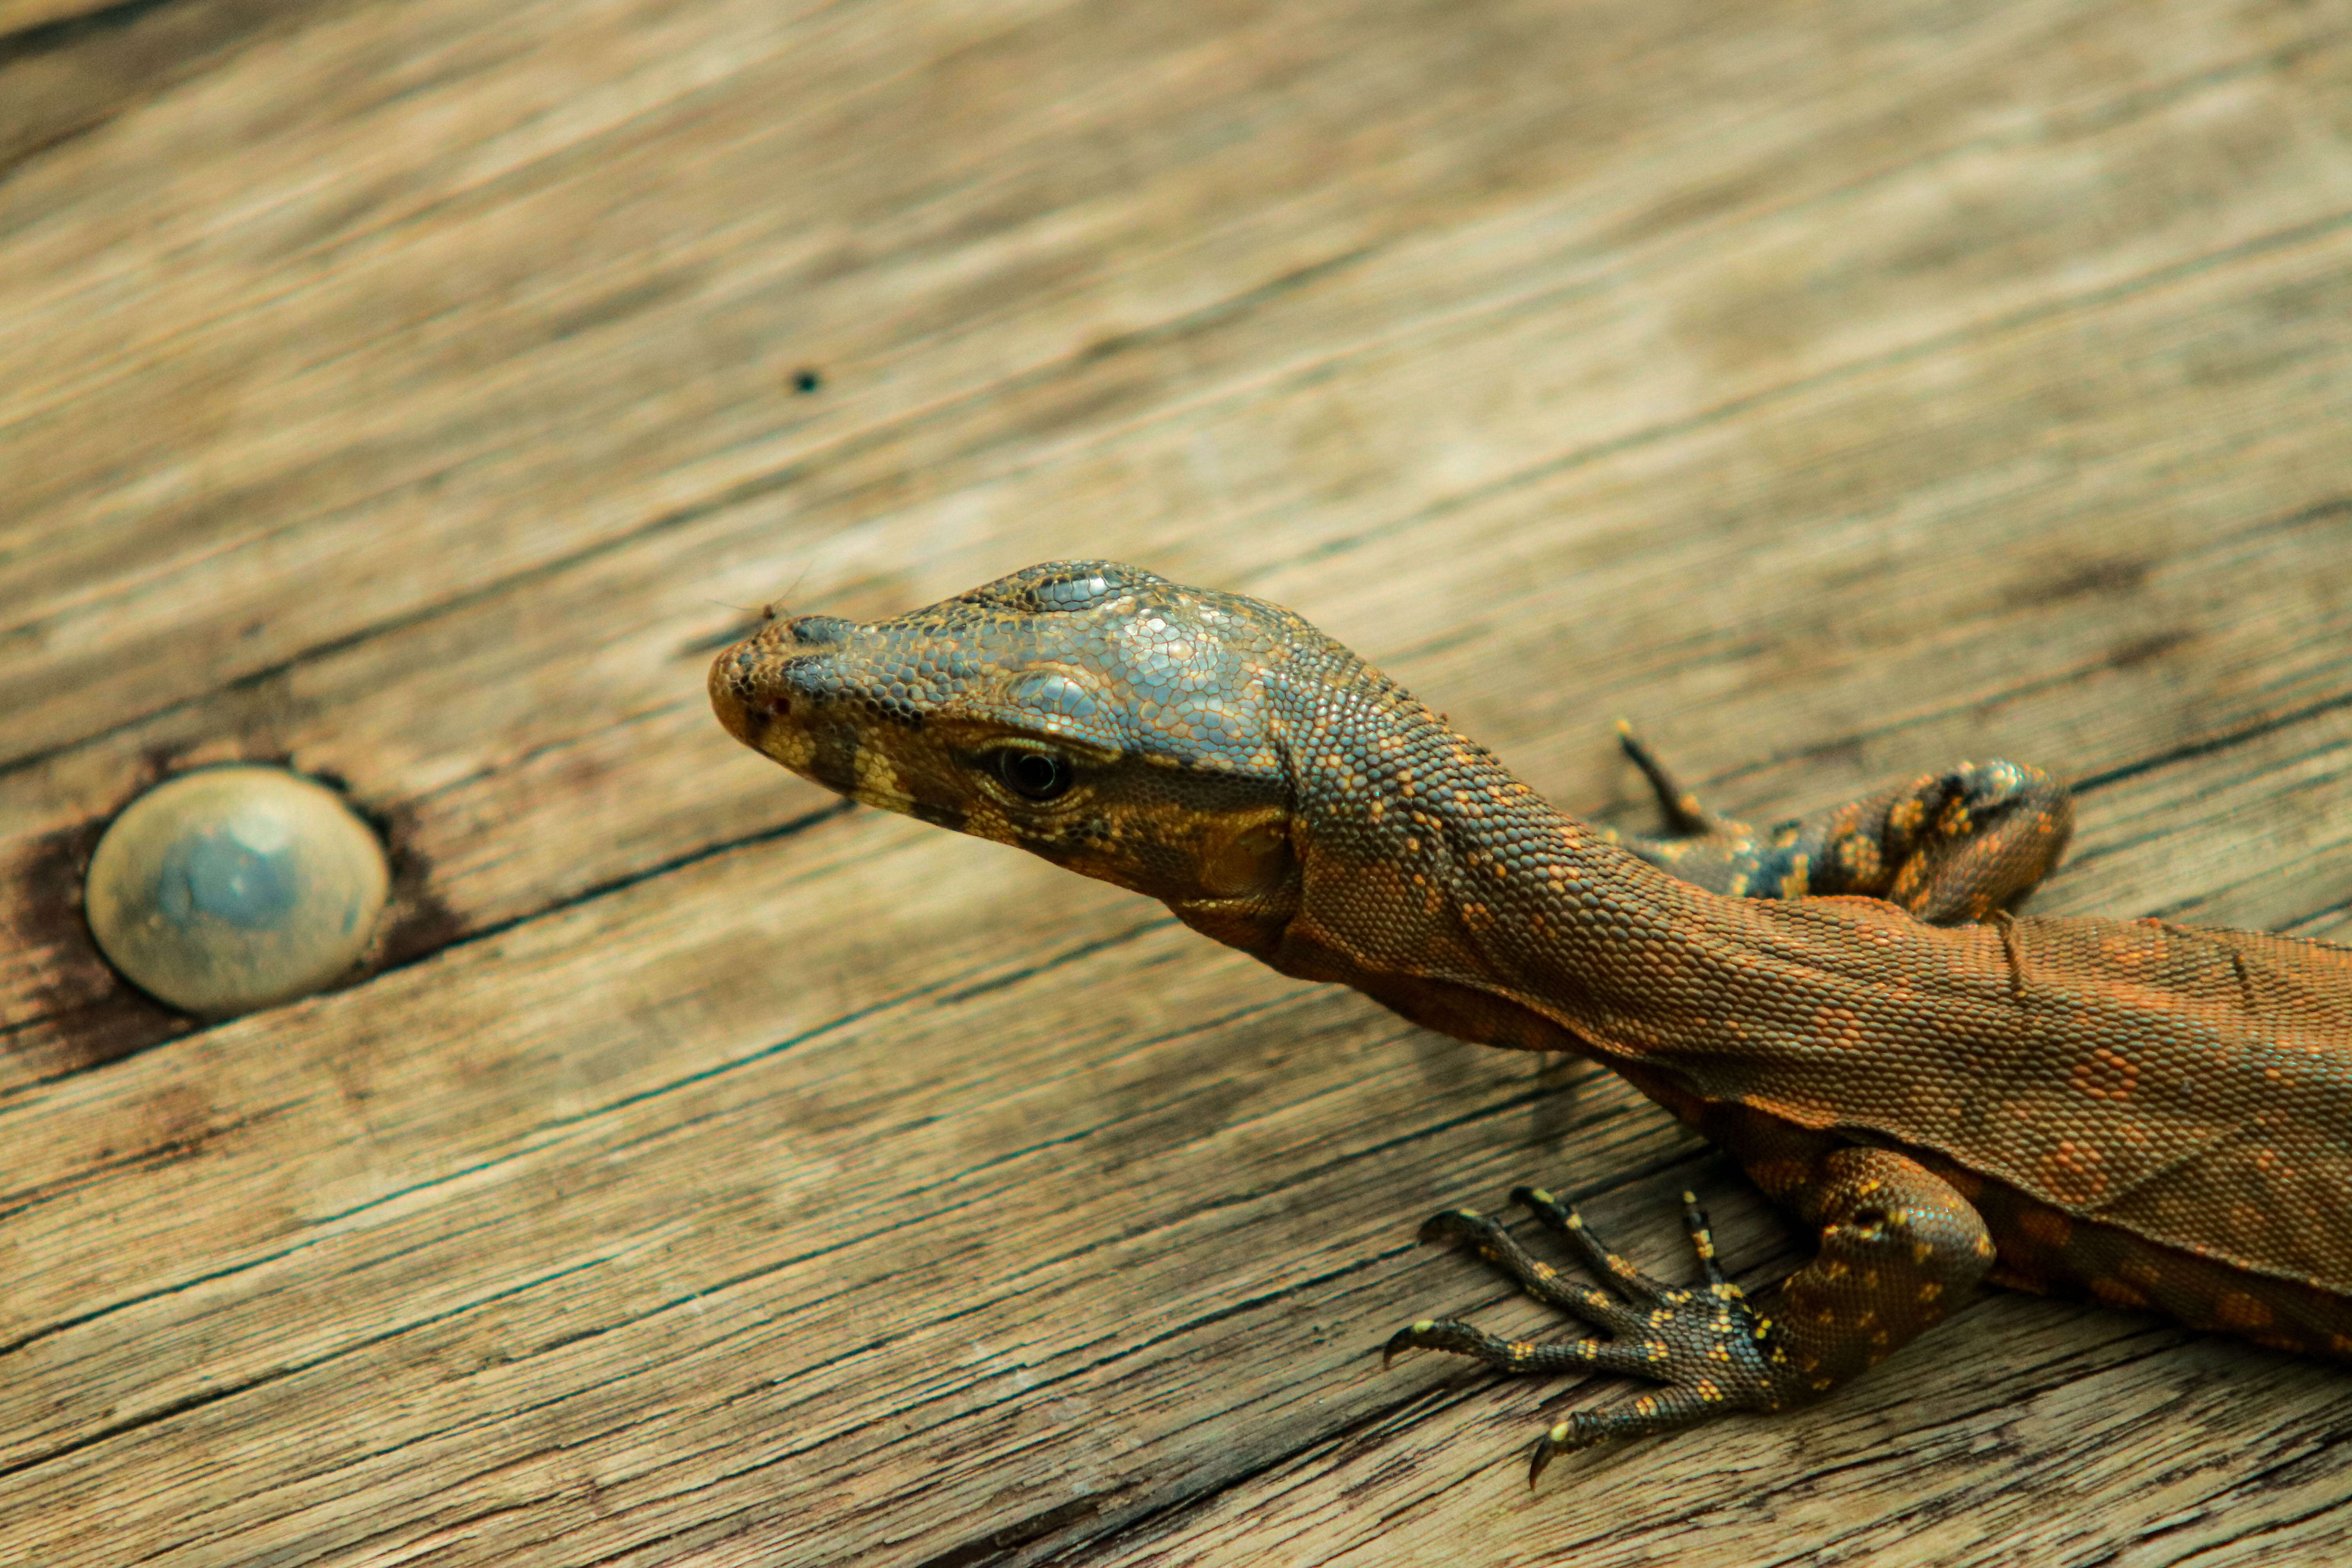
(1402, 1340)
(1548, 1447)
(1453, 1223)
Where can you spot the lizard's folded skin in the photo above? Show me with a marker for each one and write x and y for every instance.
(2157, 1115)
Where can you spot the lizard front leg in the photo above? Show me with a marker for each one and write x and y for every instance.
(1898, 1244)
(1951, 848)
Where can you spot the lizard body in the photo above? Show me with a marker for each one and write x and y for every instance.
(2156, 1115)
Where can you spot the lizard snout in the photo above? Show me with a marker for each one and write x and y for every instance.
(767, 676)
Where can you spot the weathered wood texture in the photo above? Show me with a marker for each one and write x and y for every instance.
(712, 1176)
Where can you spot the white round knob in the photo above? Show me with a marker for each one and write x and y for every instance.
(230, 889)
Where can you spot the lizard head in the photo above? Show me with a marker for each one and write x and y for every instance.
(1095, 714)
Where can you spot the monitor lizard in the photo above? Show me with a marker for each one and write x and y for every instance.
(1940, 1091)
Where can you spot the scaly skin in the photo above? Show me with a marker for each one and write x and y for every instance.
(2151, 1114)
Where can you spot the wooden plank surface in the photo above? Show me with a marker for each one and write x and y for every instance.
(712, 1176)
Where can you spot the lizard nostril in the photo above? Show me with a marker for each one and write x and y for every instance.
(819, 631)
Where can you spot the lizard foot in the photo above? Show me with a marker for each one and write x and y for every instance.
(1710, 1348)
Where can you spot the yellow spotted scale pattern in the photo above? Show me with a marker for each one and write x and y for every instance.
(2155, 1116)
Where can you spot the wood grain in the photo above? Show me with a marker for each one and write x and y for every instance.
(708, 1174)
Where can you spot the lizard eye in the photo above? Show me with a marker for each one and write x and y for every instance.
(1033, 775)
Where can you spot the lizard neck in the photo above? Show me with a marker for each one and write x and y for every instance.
(1432, 878)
